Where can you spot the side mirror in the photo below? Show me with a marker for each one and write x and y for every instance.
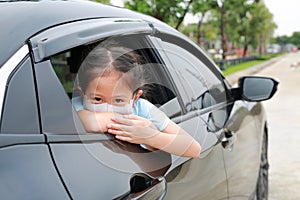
(254, 88)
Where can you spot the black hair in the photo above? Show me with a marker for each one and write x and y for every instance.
(102, 60)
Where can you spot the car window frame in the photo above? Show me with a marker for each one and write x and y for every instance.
(66, 36)
(43, 47)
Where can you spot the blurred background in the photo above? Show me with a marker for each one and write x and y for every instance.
(232, 32)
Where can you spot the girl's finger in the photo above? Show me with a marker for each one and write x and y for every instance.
(124, 138)
(118, 126)
(132, 116)
(122, 120)
(117, 132)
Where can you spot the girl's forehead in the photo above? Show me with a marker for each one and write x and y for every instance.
(111, 80)
(112, 76)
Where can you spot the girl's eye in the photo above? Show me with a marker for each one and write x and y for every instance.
(98, 99)
(119, 101)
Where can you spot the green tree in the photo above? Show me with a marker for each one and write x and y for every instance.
(244, 23)
(238, 27)
(262, 26)
(171, 12)
(295, 39)
(202, 8)
(282, 40)
(103, 1)
(240, 22)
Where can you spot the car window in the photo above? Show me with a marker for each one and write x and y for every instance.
(158, 88)
(199, 86)
(57, 113)
(20, 113)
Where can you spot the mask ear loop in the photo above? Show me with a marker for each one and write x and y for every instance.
(77, 90)
(131, 102)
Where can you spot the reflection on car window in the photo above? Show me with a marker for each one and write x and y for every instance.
(201, 87)
(63, 72)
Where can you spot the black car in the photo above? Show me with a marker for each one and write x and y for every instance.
(45, 152)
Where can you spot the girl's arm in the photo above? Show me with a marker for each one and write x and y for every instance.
(95, 122)
(183, 143)
(138, 130)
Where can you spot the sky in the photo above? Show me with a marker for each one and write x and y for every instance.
(286, 14)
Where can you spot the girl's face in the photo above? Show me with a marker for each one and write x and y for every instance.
(110, 88)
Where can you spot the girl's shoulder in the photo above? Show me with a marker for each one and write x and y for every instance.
(143, 102)
(142, 107)
(146, 109)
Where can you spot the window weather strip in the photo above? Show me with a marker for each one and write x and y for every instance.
(7, 69)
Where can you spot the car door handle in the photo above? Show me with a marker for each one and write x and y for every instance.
(143, 187)
(228, 139)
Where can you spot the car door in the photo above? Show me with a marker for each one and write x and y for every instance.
(205, 110)
(242, 160)
(26, 167)
(91, 166)
(98, 166)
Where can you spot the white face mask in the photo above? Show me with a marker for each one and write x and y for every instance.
(105, 107)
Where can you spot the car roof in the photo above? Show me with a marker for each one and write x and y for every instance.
(20, 20)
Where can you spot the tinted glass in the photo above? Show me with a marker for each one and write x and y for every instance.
(20, 114)
(57, 113)
(199, 86)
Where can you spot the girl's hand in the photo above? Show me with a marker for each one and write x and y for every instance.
(138, 130)
(132, 128)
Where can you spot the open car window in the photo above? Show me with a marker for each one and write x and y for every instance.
(158, 88)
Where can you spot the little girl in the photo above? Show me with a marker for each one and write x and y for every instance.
(110, 80)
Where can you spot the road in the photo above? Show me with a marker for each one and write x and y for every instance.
(283, 112)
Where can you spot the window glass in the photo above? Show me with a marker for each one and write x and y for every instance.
(63, 71)
(57, 113)
(200, 87)
(20, 114)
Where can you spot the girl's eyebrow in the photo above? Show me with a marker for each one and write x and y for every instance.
(92, 94)
(120, 95)
(114, 96)
(95, 94)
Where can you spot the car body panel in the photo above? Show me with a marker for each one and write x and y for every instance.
(184, 182)
(104, 169)
(248, 142)
(31, 176)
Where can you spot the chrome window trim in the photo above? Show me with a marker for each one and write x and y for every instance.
(7, 69)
